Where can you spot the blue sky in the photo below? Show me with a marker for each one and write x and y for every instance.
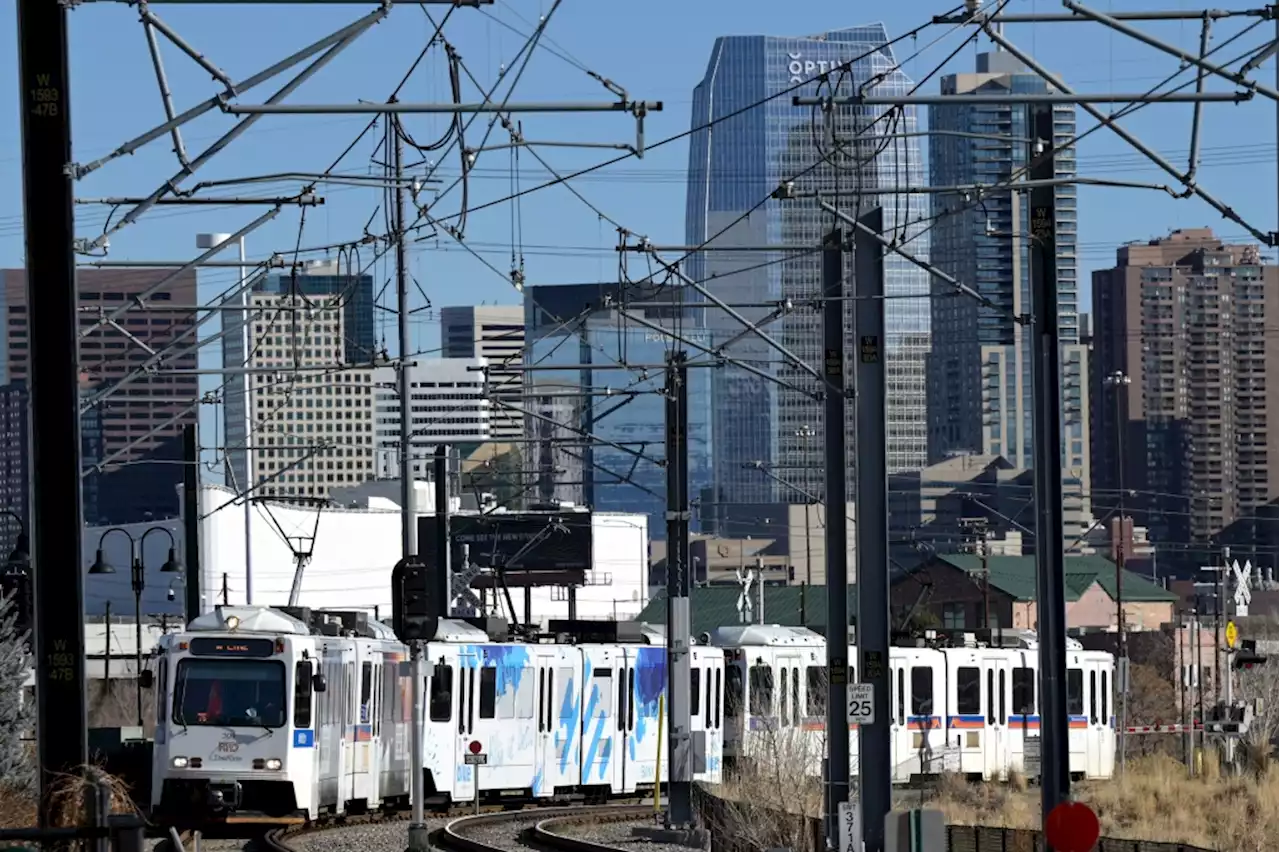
(657, 50)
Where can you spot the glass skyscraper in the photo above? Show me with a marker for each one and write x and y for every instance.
(866, 155)
(980, 394)
(616, 393)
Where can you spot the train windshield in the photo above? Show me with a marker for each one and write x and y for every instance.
(237, 693)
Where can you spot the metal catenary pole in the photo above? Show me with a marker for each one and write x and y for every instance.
(679, 625)
(872, 528)
(1046, 361)
(837, 533)
(56, 565)
(191, 518)
(442, 580)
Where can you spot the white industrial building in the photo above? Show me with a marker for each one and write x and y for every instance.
(352, 552)
(447, 405)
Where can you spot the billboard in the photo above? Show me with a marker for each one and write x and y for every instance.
(515, 541)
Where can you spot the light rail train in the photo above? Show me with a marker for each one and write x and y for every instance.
(967, 707)
(292, 712)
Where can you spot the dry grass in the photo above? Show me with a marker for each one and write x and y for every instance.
(1155, 801)
(18, 808)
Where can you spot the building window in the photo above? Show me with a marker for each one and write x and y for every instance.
(953, 615)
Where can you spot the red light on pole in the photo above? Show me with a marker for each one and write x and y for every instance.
(1072, 827)
(475, 748)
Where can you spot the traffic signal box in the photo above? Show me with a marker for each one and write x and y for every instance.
(1248, 657)
(416, 607)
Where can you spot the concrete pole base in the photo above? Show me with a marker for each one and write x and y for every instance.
(693, 838)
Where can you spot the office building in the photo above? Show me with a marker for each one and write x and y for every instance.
(309, 384)
(1191, 322)
(447, 405)
(608, 360)
(734, 165)
(553, 449)
(980, 384)
(496, 334)
(138, 420)
(15, 460)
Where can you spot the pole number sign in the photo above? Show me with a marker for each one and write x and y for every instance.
(859, 704)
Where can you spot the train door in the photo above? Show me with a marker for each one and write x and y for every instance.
(735, 716)
(995, 668)
(358, 787)
(599, 718)
(464, 776)
(1097, 707)
(1024, 723)
(967, 717)
(441, 731)
(553, 766)
(707, 684)
(642, 683)
(899, 733)
(1077, 720)
(788, 745)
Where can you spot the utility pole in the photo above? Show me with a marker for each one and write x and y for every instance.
(1119, 382)
(679, 626)
(836, 533)
(1046, 380)
(871, 528)
(976, 529)
(57, 564)
(408, 510)
(191, 520)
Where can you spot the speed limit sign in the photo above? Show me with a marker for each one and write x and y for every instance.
(860, 705)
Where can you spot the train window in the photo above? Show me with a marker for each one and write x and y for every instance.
(488, 692)
(733, 692)
(968, 691)
(1106, 717)
(462, 701)
(543, 700)
(901, 691)
(1075, 692)
(302, 694)
(795, 695)
(761, 694)
(631, 702)
(1004, 716)
(1024, 691)
(524, 697)
(991, 697)
(708, 720)
(717, 694)
(921, 690)
(695, 691)
(785, 704)
(605, 707)
(1093, 698)
(622, 691)
(441, 693)
(816, 687)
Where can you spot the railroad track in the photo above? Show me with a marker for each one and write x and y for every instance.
(545, 832)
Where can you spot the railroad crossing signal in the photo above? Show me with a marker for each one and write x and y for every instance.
(415, 611)
(1072, 827)
(1248, 657)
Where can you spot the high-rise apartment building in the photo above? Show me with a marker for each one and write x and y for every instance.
(735, 164)
(621, 433)
(314, 332)
(1191, 322)
(447, 405)
(980, 381)
(496, 334)
(143, 418)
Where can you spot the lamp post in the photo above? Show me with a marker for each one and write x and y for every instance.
(804, 433)
(1118, 381)
(138, 582)
(208, 241)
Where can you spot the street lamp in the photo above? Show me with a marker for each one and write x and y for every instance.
(1118, 381)
(138, 582)
(208, 241)
(804, 433)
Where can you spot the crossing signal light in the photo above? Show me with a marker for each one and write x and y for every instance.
(415, 606)
(1248, 657)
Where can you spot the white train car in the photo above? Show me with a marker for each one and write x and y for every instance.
(259, 713)
(968, 708)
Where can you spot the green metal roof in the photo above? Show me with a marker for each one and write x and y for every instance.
(717, 606)
(1016, 577)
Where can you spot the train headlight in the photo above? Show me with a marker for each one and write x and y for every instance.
(179, 763)
(274, 763)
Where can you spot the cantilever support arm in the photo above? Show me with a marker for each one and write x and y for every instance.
(150, 20)
(157, 61)
(1236, 77)
(746, 323)
(1110, 122)
(139, 298)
